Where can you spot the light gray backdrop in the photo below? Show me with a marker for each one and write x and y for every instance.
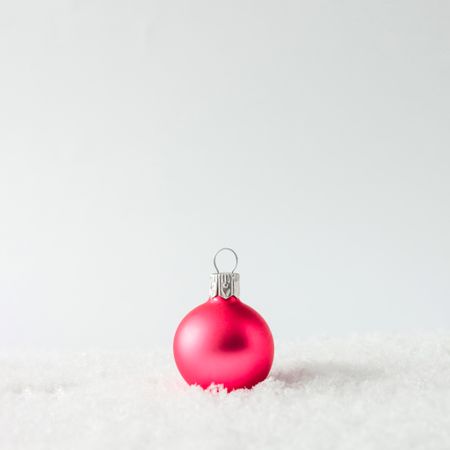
(138, 137)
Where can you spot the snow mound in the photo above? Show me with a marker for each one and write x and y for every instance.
(361, 392)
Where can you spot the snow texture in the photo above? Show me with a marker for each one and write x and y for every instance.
(371, 392)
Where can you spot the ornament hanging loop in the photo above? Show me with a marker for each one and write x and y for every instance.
(235, 257)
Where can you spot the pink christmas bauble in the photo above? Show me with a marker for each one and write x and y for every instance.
(223, 341)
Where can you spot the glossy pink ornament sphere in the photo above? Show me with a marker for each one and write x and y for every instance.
(223, 342)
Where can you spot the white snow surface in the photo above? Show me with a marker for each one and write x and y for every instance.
(360, 392)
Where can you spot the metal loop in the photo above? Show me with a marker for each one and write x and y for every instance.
(222, 249)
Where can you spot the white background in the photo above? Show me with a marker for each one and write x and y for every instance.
(138, 137)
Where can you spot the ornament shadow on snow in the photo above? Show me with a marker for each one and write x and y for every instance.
(337, 373)
(223, 341)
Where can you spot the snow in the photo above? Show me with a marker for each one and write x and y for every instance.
(359, 392)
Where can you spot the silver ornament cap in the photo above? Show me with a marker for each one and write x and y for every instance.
(224, 284)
